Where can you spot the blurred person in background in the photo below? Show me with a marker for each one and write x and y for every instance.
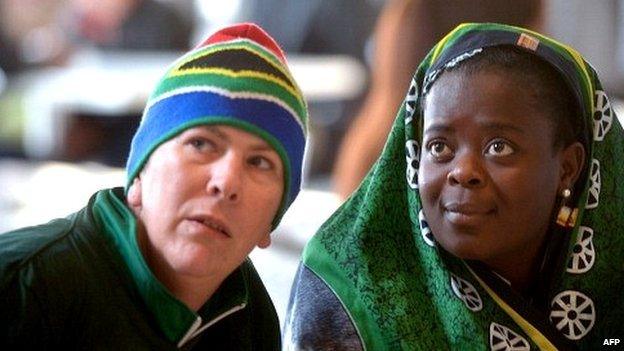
(9, 60)
(129, 24)
(116, 26)
(404, 32)
(30, 34)
(66, 34)
(48, 32)
(162, 263)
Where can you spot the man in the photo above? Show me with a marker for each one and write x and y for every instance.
(213, 167)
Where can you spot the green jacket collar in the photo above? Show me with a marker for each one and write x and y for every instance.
(176, 320)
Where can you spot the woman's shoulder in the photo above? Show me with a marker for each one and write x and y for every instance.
(316, 319)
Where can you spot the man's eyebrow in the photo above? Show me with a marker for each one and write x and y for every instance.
(260, 146)
(216, 131)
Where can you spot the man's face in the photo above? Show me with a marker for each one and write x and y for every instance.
(489, 174)
(206, 198)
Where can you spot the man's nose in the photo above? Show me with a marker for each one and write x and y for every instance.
(467, 171)
(225, 178)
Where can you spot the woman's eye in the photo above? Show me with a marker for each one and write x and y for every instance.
(439, 149)
(261, 162)
(500, 148)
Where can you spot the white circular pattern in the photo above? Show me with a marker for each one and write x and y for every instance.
(503, 338)
(603, 115)
(410, 101)
(467, 293)
(412, 157)
(593, 198)
(583, 253)
(425, 231)
(573, 314)
(429, 79)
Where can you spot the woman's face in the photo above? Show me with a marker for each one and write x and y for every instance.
(489, 173)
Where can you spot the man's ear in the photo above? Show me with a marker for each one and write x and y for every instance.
(572, 161)
(265, 241)
(134, 197)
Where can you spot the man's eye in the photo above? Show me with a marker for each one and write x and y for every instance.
(261, 162)
(440, 150)
(202, 144)
(500, 148)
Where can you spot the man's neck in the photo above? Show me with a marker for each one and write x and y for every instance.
(192, 291)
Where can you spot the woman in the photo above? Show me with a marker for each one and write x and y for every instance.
(404, 32)
(492, 219)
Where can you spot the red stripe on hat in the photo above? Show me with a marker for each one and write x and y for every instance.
(249, 31)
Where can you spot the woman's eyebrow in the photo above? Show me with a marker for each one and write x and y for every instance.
(498, 126)
(440, 128)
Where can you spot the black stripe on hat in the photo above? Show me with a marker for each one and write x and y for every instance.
(236, 60)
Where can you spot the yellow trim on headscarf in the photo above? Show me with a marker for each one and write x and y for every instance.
(576, 56)
(442, 43)
(542, 342)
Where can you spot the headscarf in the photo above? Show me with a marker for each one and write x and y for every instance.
(403, 291)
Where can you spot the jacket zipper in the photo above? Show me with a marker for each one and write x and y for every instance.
(196, 328)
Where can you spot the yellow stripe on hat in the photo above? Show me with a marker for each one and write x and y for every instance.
(239, 74)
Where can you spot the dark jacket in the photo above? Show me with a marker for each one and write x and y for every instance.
(316, 319)
(81, 282)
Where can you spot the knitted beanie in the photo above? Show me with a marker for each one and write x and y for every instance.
(236, 77)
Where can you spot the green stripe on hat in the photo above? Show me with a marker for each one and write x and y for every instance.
(239, 44)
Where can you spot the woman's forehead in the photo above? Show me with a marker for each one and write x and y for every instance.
(492, 100)
(478, 86)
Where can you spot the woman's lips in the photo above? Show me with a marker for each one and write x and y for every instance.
(467, 214)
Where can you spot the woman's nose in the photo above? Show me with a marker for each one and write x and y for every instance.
(467, 171)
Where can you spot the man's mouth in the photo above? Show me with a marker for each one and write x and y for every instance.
(212, 223)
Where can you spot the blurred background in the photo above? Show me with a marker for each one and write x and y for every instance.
(75, 75)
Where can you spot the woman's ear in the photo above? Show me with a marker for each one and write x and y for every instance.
(134, 197)
(572, 161)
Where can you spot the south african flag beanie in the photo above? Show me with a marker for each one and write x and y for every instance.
(237, 77)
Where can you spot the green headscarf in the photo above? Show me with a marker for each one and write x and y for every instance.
(404, 292)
